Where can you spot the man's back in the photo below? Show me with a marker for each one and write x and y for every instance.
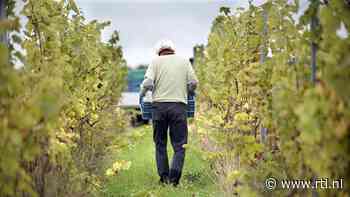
(170, 74)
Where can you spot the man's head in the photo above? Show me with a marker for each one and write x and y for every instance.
(165, 47)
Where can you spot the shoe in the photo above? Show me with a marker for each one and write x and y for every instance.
(174, 177)
(164, 180)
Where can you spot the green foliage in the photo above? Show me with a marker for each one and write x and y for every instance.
(58, 112)
(308, 124)
(142, 179)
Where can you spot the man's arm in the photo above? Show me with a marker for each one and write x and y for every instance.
(192, 80)
(147, 83)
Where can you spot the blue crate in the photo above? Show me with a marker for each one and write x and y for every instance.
(191, 106)
(146, 108)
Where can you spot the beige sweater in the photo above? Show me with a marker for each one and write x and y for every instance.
(169, 76)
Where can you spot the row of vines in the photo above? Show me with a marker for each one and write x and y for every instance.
(58, 98)
(242, 97)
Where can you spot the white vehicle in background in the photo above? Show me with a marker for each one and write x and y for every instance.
(130, 97)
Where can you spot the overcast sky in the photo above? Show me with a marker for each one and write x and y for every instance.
(142, 23)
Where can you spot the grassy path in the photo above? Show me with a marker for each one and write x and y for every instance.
(142, 179)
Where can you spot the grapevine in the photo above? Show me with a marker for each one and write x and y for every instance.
(308, 124)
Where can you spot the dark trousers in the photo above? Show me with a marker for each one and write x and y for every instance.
(172, 116)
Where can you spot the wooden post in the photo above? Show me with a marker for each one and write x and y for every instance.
(263, 47)
(314, 24)
(3, 15)
(264, 34)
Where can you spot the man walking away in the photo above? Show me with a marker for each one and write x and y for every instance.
(170, 78)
